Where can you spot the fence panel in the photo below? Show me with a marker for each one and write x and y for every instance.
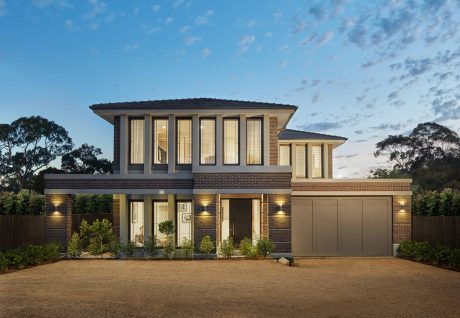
(21, 230)
(443, 230)
(90, 218)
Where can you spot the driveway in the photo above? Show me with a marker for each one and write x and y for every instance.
(332, 287)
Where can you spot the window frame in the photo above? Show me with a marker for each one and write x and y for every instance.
(178, 244)
(261, 119)
(305, 147)
(321, 151)
(130, 119)
(153, 141)
(215, 141)
(290, 154)
(177, 144)
(130, 216)
(223, 141)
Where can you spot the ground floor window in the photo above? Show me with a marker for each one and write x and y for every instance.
(136, 221)
(160, 214)
(184, 221)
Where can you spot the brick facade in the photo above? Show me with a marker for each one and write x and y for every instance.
(58, 211)
(105, 183)
(249, 180)
(116, 218)
(273, 141)
(402, 218)
(352, 186)
(279, 221)
(116, 143)
(204, 217)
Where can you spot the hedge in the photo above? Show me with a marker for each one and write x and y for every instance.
(435, 254)
(30, 255)
(92, 203)
(433, 203)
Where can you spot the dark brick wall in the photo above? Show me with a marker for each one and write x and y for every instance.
(279, 224)
(351, 186)
(116, 218)
(116, 143)
(118, 183)
(58, 212)
(247, 180)
(204, 223)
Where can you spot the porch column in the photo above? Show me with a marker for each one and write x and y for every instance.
(309, 161)
(147, 144)
(325, 155)
(124, 216)
(242, 141)
(171, 144)
(58, 220)
(172, 210)
(266, 140)
(147, 216)
(294, 160)
(124, 144)
(195, 141)
(219, 140)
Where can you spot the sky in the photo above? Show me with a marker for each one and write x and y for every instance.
(359, 69)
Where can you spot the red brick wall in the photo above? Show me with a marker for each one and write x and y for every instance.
(58, 222)
(402, 220)
(247, 180)
(351, 186)
(273, 141)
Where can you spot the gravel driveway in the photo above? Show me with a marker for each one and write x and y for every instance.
(331, 287)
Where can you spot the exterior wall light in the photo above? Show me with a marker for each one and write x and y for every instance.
(204, 209)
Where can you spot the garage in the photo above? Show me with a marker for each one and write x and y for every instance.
(341, 226)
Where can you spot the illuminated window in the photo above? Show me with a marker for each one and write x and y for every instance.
(254, 141)
(207, 141)
(317, 162)
(136, 220)
(160, 214)
(160, 141)
(184, 141)
(300, 161)
(285, 155)
(184, 221)
(231, 141)
(136, 141)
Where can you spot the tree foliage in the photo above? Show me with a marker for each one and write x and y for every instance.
(84, 160)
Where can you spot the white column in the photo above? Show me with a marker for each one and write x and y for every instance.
(242, 140)
(124, 224)
(266, 139)
(219, 140)
(171, 144)
(124, 148)
(325, 161)
(147, 144)
(195, 141)
(294, 160)
(147, 216)
(172, 210)
(309, 161)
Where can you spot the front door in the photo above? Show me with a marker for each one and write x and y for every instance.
(240, 219)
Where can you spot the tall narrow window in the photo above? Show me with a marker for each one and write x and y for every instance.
(136, 155)
(207, 141)
(184, 141)
(285, 155)
(136, 221)
(160, 214)
(317, 162)
(160, 141)
(184, 221)
(231, 141)
(254, 141)
(300, 163)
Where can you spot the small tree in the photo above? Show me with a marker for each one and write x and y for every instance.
(74, 248)
(207, 245)
(247, 249)
(101, 237)
(187, 246)
(227, 248)
(167, 228)
(85, 234)
(265, 246)
(150, 246)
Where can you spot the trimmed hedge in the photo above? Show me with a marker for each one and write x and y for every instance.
(434, 203)
(22, 203)
(30, 255)
(92, 203)
(435, 254)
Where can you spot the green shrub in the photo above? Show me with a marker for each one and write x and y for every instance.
(247, 249)
(30, 255)
(129, 249)
(85, 234)
(432, 203)
(265, 246)
(4, 262)
(150, 246)
(187, 247)
(22, 203)
(92, 203)
(74, 246)
(101, 237)
(440, 255)
(454, 259)
(114, 248)
(166, 227)
(423, 251)
(207, 245)
(169, 247)
(227, 248)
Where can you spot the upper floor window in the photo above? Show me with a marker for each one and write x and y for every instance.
(300, 161)
(317, 162)
(207, 141)
(285, 155)
(160, 141)
(231, 141)
(254, 141)
(136, 143)
(184, 141)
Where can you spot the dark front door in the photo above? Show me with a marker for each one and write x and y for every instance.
(240, 219)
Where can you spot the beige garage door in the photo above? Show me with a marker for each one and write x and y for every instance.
(341, 226)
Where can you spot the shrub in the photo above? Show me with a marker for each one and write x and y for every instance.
(30, 255)
(101, 237)
(440, 255)
(114, 248)
(85, 234)
(187, 247)
(74, 246)
(129, 249)
(454, 259)
(92, 203)
(430, 203)
(166, 227)
(227, 248)
(169, 247)
(423, 251)
(22, 203)
(207, 245)
(150, 246)
(247, 249)
(265, 246)
(4, 262)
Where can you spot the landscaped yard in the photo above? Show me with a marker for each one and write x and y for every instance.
(314, 287)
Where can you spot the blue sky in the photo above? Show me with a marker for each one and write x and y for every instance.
(360, 69)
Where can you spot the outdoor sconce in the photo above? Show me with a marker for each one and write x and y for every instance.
(281, 211)
(401, 206)
(203, 210)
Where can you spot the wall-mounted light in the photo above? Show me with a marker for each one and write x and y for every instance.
(281, 209)
(204, 209)
(401, 206)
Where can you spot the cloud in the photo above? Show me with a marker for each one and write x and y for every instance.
(398, 126)
(246, 41)
(97, 8)
(203, 19)
(326, 38)
(190, 40)
(205, 52)
(69, 24)
(131, 47)
(322, 126)
(178, 3)
(283, 64)
(168, 20)
(185, 29)
(446, 109)
(156, 8)
(393, 95)
(359, 132)
(268, 35)
(315, 97)
(318, 12)
(299, 26)
(251, 23)
(2, 8)
(308, 39)
(346, 156)
(46, 3)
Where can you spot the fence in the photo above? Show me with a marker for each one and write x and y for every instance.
(443, 230)
(20, 230)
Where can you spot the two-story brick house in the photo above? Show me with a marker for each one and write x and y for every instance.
(231, 168)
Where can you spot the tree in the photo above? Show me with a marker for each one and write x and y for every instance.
(382, 173)
(29, 144)
(84, 160)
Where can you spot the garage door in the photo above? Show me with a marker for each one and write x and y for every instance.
(341, 226)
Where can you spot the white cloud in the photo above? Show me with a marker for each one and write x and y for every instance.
(185, 29)
(156, 7)
(268, 34)
(97, 8)
(131, 47)
(246, 41)
(203, 19)
(168, 20)
(45, 3)
(136, 11)
(178, 3)
(251, 23)
(190, 40)
(205, 52)
(2, 8)
(69, 24)
(326, 38)
(283, 64)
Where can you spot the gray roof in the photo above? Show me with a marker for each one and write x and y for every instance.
(289, 134)
(196, 103)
